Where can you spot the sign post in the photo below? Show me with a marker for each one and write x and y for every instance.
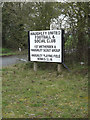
(59, 67)
(35, 66)
(45, 46)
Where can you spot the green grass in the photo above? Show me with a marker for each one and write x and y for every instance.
(4, 50)
(8, 52)
(26, 94)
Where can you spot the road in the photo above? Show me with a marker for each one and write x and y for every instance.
(9, 60)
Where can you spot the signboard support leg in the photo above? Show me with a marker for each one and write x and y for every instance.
(59, 68)
(35, 66)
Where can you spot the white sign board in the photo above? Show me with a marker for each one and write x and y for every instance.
(46, 46)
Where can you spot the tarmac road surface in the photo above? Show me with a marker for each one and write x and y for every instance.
(9, 60)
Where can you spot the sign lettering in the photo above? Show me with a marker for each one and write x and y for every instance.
(46, 46)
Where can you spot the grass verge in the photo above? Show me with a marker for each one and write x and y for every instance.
(8, 52)
(26, 94)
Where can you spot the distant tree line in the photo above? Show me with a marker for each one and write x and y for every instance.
(18, 18)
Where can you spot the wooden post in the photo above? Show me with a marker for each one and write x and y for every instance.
(59, 68)
(35, 66)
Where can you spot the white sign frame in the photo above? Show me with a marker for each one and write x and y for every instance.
(45, 46)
